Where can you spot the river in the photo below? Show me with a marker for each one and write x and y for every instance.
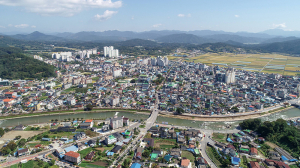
(180, 122)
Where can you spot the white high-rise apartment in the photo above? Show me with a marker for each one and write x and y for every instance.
(162, 61)
(230, 76)
(62, 56)
(111, 52)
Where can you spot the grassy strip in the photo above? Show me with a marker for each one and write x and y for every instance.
(188, 155)
(70, 111)
(166, 146)
(220, 137)
(90, 165)
(85, 152)
(212, 157)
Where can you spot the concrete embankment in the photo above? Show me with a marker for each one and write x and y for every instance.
(216, 118)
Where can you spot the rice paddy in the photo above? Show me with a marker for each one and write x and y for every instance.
(268, 63)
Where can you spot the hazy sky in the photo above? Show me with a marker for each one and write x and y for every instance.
(143, 15)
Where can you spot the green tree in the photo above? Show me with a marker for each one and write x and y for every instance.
(52, 162)
(1, 132)
(18, 137)
(89, 107)
(5, 150)
(235, 109)
(22, 142)
(12, 145)
(179, 111)
(6, 130)
(132, 81)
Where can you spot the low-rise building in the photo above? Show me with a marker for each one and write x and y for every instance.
(73, 157)
(110, 139)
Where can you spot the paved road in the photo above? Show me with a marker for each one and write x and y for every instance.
(203, 145)
(148, 124)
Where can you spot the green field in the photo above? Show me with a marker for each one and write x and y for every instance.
(219, 137)
(188, 155)
(268, 63)
(85, 152)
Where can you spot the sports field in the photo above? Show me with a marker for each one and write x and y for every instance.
(268, 63)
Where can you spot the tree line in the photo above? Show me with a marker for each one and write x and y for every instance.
(15, 65)
(279, 132)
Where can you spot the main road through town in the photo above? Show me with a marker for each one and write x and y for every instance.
(148, 124)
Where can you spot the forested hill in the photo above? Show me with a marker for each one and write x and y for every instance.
(289, 47)
(15, 65)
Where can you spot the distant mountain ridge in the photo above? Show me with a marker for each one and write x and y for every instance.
(184, 38)
(169, 36)
(280, 39)
(280, 32)
(36, 36)
(251, 41)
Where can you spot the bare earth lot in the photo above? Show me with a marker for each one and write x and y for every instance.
(24, 134)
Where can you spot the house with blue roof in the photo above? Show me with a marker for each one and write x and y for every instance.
(167, 158)
(235, 160)
(135, 165)
(71, 148)
(110, 154)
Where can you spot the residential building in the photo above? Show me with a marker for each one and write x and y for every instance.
(10, 94)
(185, 163)
(111, 52)
(20, 127)
(22, 152)
(110, 140)
(79, 136)
(253, 164)
(117, 72)
(73, 157)
(230, 76)
(87, 124)
(116, 122)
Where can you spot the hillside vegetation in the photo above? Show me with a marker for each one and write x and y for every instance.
(278, 132)
(15, 65)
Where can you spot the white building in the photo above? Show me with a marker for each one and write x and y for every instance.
(111, 52)
(230, 76)
(62, 56)
(160, 61)
(153, 61)
(38, 57)
(116, 122)
(114, 100)
(110, 139)
(71, 101)
(117, 72)
(86, 53)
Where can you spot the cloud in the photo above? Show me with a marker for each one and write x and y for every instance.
(60, 7)
(21, 26)
(184, 15)
(236, 16)
(132, 18)
(279, 26)
(157, 25)
(2, 27)
(106, 15)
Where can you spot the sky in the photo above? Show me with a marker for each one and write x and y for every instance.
(51, 16)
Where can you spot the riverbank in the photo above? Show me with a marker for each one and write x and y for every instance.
(146, 112)
(226, 118)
